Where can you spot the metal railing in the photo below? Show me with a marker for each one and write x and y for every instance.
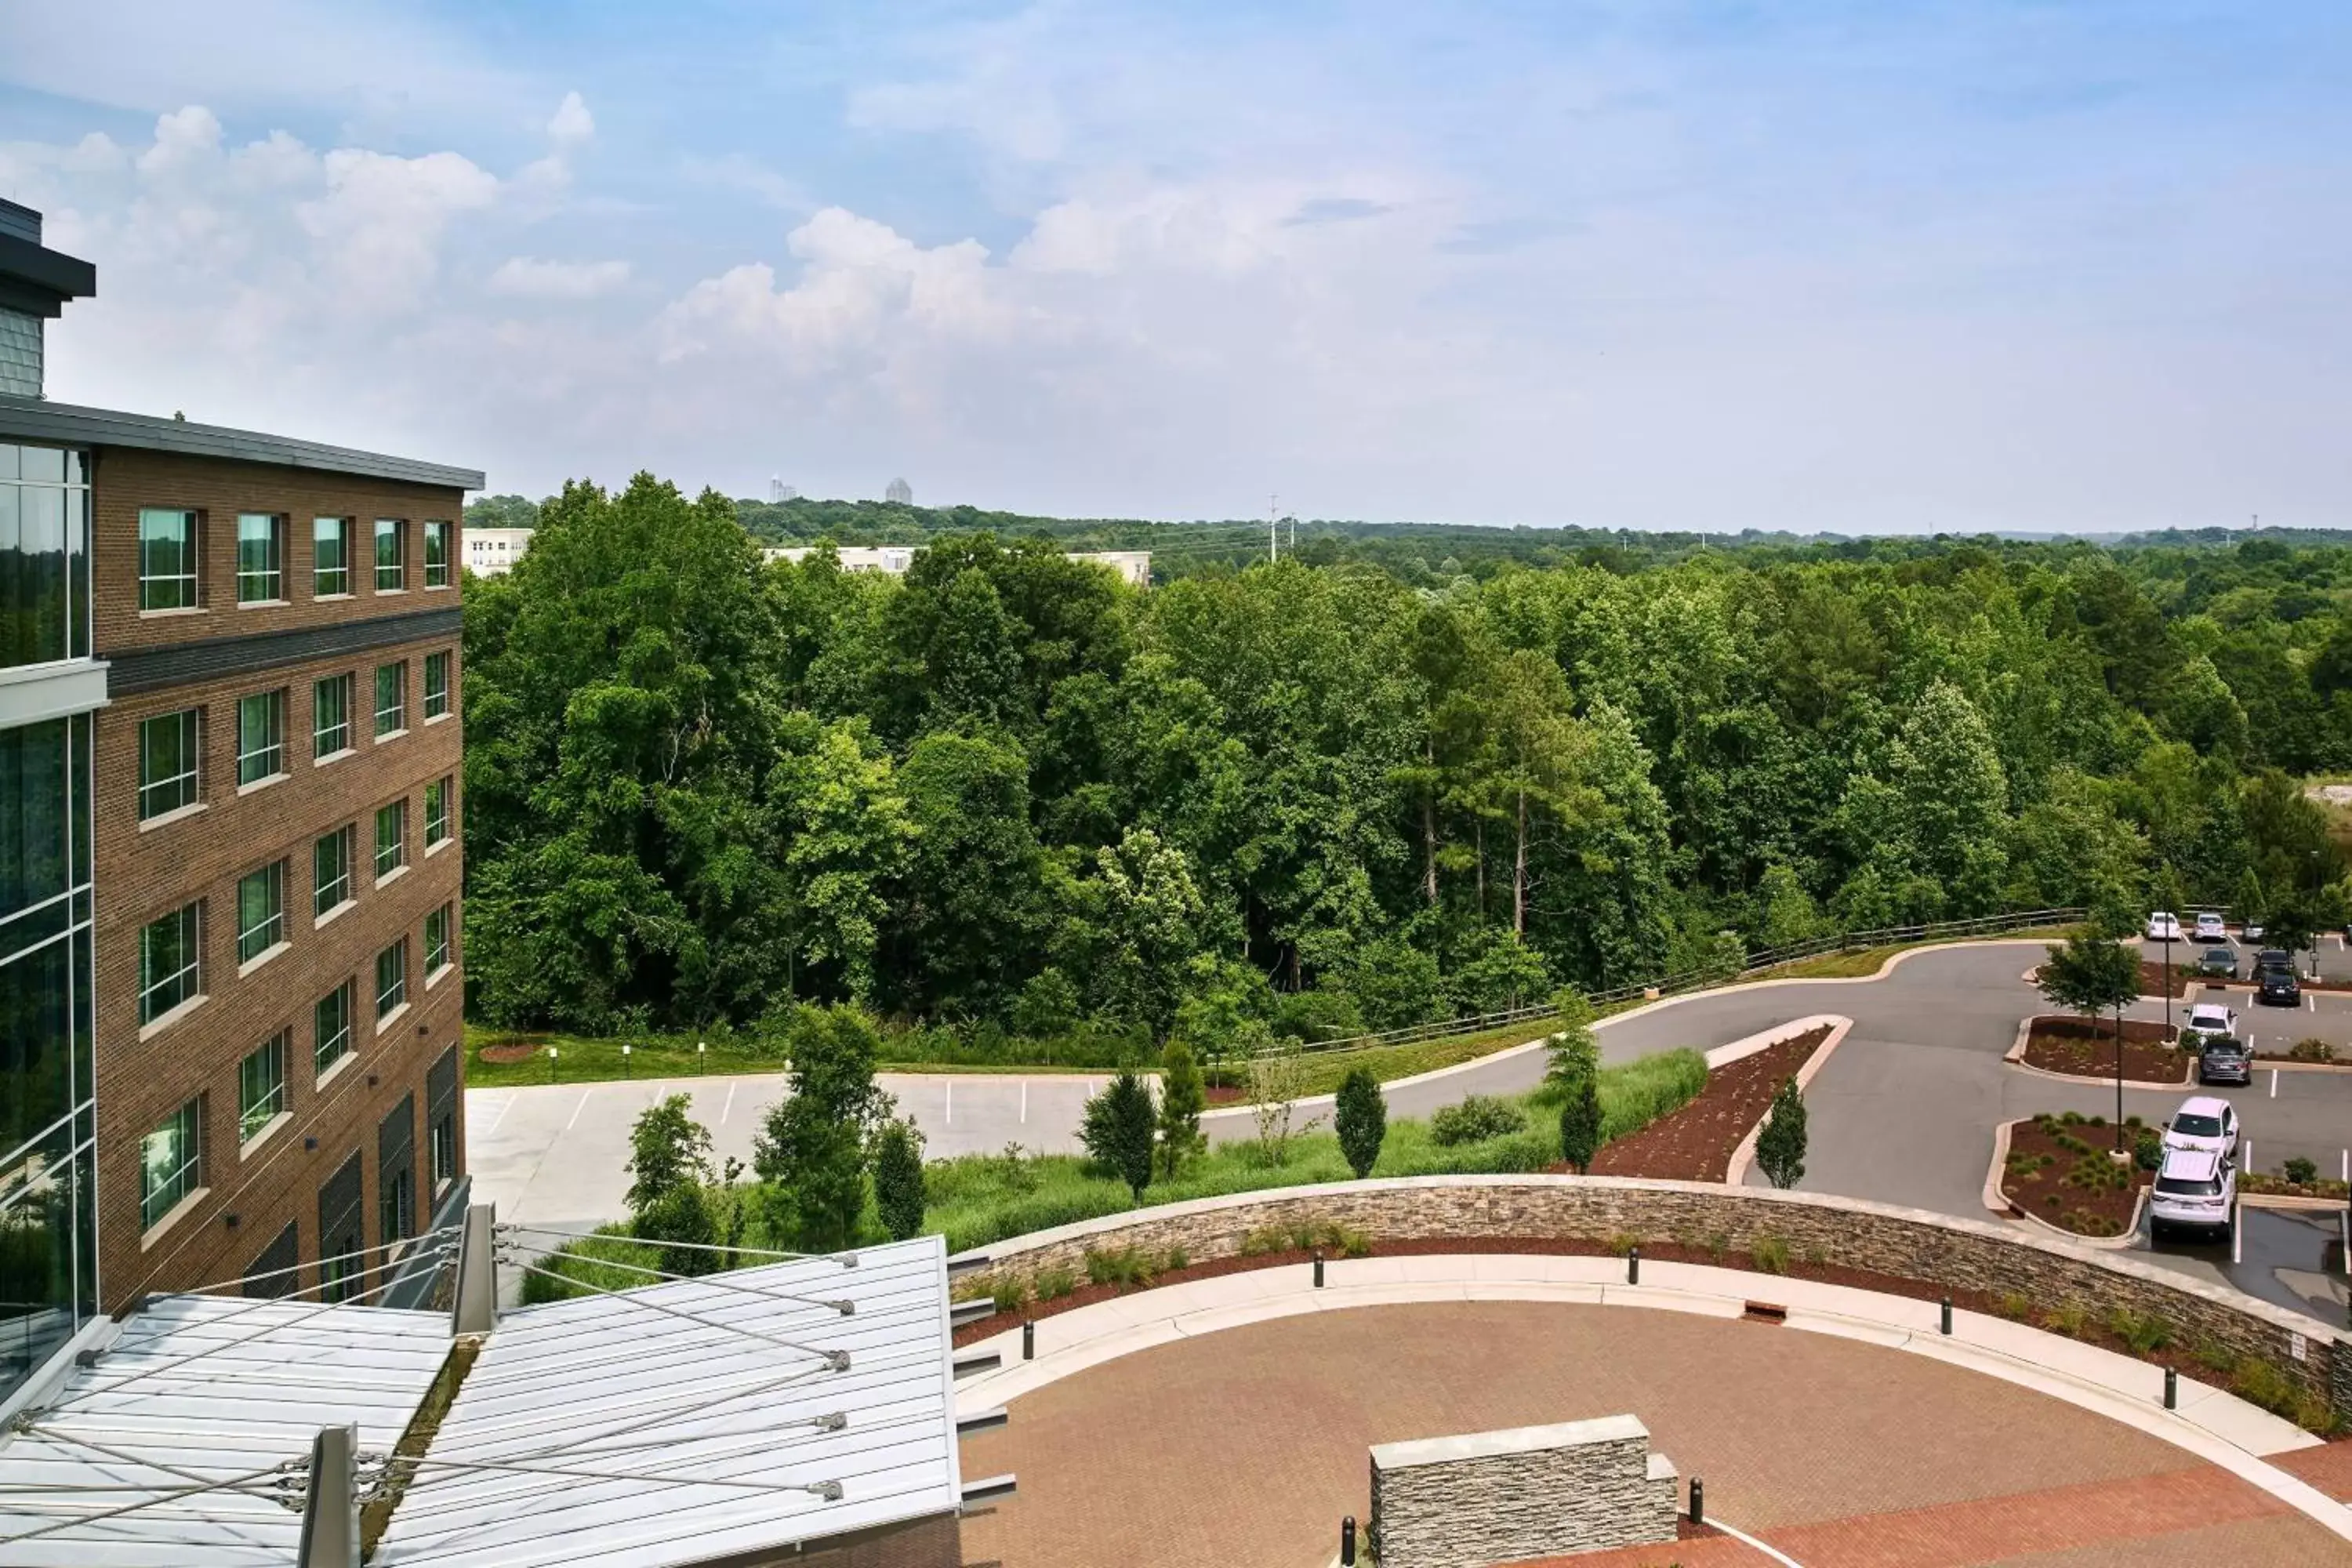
(1751, 964)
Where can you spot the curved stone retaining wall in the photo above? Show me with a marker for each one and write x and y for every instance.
(1909, 1244)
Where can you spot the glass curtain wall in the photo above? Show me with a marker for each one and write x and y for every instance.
(49, 1242)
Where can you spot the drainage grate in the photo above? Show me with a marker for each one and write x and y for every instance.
(1764, 1312)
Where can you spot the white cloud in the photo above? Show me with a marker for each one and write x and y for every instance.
(382, 218)
(572, 125)
(528, 278)
(184, 138)
(569, 131)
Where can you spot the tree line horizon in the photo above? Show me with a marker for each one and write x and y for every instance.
(1007, 795)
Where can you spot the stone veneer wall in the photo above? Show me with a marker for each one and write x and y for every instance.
(1909, 1244)
(1508, 1497)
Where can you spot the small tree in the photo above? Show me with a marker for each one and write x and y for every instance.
(681, 1215)
(1361, 1121)
(1277, 1078)
(1781, 1147)
(898, 1178)
(1579, 1121)
(2089, 975)
(1574, 1053)
(1047, 1006)
(1181, 1098)
(1117, 1132)
(667, 1149)
(812, 1148)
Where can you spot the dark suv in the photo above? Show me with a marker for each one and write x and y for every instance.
(2276, 987)
(2219, 964)
(2224, 1060)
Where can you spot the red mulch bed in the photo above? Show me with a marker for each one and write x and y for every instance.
(509, 1051)
(2058, 1172)
(2080, 1048)
(2151, 979)
(1226, 1094)
(1696, 1142)
(2177, 1356)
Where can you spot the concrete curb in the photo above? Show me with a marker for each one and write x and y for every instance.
(2015, 1056)
(2289, 1201)
(2114, 1243)
(2211, 1424)
(1734, 1174)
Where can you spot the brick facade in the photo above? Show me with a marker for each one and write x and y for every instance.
(145, 871)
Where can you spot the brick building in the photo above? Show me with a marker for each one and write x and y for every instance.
(230, 987)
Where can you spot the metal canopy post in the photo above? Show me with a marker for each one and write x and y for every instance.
(475, 1309)
(330, 1512)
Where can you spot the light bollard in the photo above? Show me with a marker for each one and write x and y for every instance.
(1633, 1265)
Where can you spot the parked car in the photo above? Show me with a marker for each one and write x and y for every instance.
(2203, 1122)
(2195, 1188)
(2210, 928)
(2163, 926)
(2224, 1060)
(2273, 958)
(2279, 988)
(2251, 931)
(2212, 1018)
(2219, 964)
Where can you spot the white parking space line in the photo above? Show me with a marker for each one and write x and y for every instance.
(729, 1106)
(578, 1108)
(1024, 1102)
(504, 1106)
(2274, 1083)
(950, 1112)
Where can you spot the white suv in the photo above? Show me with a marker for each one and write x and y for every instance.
(2212, 1018)
(2203, 1122)
(2197, 1188)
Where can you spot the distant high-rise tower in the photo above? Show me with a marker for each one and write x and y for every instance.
(900, 493)
(778, 492)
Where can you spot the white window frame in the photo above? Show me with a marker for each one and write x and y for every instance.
(339, 530)
(275, 750)
(341, 729)
(436, 700)
(398, 711)
(347, 852)
(436, 813)
(272, 577)
(186, 787)
(187, 587)
(396, 530)
(436, 572)
(390, 1000)
(186, 1179)
(326, 1054)
(436, 955)
(397, 813)
(255, 940)
(191, 917)
(253, 1118)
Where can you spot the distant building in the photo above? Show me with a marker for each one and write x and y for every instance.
(900, 493)
(492, 551)
(1134, 566)
(780, 492)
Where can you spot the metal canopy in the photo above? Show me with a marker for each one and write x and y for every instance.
(678, 1423)
(199, 1391)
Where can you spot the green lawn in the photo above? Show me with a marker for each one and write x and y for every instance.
(980, 1198)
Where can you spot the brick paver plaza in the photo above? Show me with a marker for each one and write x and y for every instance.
(1245, 1447)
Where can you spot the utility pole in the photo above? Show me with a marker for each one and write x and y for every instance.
(1273, 510)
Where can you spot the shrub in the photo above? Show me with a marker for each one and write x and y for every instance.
(1621, 1242)
(1579, 1122)
(1360, 1118)
(1770, 1254)
(1781, 1147)
(2257, 1381)
(2013, 1306)
(2143, 1332)
(2311, 1049)
(1473, 1121)
(1055, 1282)
(1120, 1265)
(899, 1179)
(1119, 1131)
(2302, 1172)
(680, 1215)
(2147, 1150)
(1182, 1097)
(2069, 1318)
(1306, 1235)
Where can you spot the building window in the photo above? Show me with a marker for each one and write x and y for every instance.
(331, 716)
(169, 966)
(395, 1175)
(391, 698)
(391, 838)
(441, 1119)
(167, 559)
(261, 1086)
(391, 979)
(391, 556)
(331, 1024)
(342, 1234)
(436, 685)
(277, 1271)
(169, 753)
(171, 1162)
(260, 911)
(44, 559)
(436, 940)
(330, 556)
(330, 871)
(261, 736)
(437, 812)
(436, 554)
(260, 557)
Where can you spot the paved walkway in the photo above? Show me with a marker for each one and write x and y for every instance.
(1217, 1436)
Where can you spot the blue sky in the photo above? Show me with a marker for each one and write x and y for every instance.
(1823, 265)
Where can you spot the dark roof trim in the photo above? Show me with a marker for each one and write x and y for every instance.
(48, 276)
(34, 419)
(217, 658)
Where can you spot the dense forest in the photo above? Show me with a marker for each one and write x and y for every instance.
(1357, 787)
